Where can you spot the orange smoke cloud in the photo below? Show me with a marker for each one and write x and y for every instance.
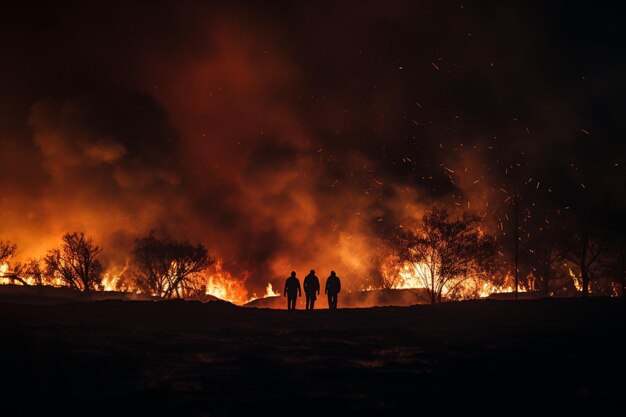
(219, 155)
(212, 139)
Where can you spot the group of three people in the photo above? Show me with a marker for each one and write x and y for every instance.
(311, 290)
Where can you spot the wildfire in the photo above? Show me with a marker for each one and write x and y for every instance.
(224, 286)
(269, 291)
(3, 270)
(114, 281)
(220, 283)
(109, 282)
(408, 275)
(615, 290)
(485, 288)
(397, 274)
(578, 281)
(8, 277)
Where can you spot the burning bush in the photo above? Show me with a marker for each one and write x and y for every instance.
(443, 253)
(167, 267)
(75, 263)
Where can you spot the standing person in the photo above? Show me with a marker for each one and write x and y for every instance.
(292, 291)
(333, 287)
(311, 289)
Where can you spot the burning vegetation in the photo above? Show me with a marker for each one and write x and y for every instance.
(252, 147)
(441, 256)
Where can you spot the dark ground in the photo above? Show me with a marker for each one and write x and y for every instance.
(185, 358)
(357, 299)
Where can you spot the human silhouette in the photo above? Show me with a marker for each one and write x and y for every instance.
(311, 289)
(292, 291)
(333, 287)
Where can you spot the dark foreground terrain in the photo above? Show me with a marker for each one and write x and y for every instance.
(358, 299)
(185, 358)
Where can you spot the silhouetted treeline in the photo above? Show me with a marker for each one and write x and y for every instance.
(164, 266)
(160, 266)
(550, 253)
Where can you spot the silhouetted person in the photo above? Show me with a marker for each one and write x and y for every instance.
(292, 291)
(333, 287)
(311, 289)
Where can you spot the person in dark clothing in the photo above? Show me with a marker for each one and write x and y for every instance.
(292, 291)
(333, 287)
(311, 289)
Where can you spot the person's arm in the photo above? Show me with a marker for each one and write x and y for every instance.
(338, 285)
(299, 290)
(318, 287)
(326, 287)
(285, 291)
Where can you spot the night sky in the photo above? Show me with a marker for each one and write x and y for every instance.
(297, 135)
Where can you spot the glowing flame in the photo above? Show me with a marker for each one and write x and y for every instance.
(109, 282)
(220, 283)
(578, 281)
(615, 290)
(269, 291)
(485, 288)
(408, 275)
(115, 281)
(223, 285)
(4, 268)
(8, 277)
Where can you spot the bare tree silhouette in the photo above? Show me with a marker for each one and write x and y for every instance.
(7, 249)
(166, 267)
(583, 247)
(447, 251)
(615, 262)
(26, 273)
(75, 262)
(544, 258)
(32, 269)
(617, 265)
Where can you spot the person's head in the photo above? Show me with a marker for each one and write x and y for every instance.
(293, 273)
(332, 273)
(312, 272)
